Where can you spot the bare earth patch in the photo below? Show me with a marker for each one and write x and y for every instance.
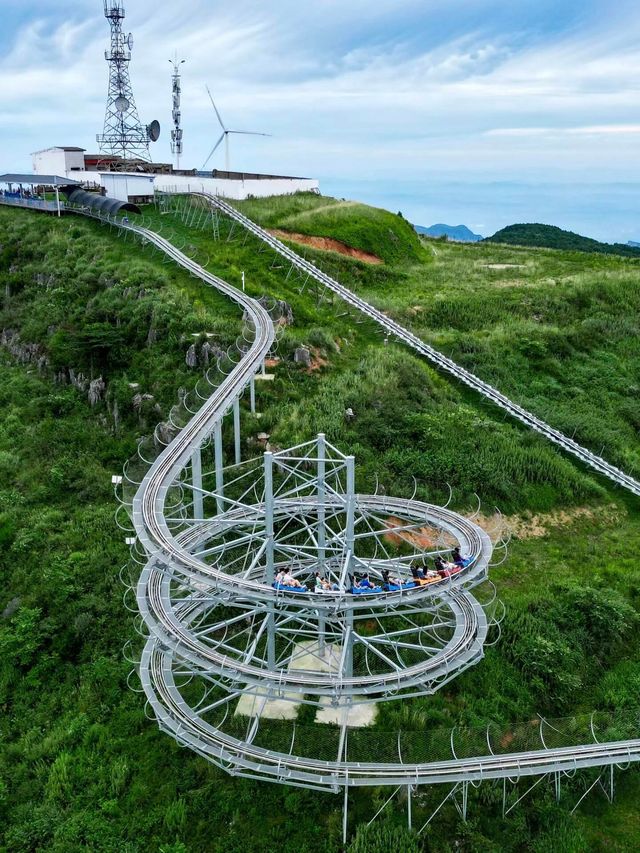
(327, 244)
(502, 266)
(537, 526)
(498, 526)
(426, 538)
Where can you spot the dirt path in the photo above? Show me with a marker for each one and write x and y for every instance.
(327, 244)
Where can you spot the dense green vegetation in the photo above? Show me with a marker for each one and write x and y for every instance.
(552, 237)
(81, 767)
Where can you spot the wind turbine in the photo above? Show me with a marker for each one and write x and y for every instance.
(225, 137)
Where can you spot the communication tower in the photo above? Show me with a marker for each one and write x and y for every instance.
(177, 132)
(123, 134)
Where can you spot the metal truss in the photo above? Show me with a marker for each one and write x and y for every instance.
(123, 132)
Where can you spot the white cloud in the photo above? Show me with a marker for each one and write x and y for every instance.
(350, 89)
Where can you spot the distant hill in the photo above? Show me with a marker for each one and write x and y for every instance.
(460, 233)
(634, 244)
(552, 237)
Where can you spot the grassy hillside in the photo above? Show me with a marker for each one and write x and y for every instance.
(556, 331)
(369, 229)
(552, 237)
(81, 768)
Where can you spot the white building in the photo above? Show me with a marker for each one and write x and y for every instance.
(70, 162)
(63, 160)
(133, 187)
(237, 186)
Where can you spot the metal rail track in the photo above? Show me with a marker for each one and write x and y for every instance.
(597, 463)
(168, 554)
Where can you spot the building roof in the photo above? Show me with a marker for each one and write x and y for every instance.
(59, 148)
(38, 180)
(109, 174)
(247, 176)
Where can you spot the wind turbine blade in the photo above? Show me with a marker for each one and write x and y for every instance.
(216, 109)
(248, 133)
(214, 149)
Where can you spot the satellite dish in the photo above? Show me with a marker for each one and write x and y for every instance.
(153, 131)
(122, 104)
(130, 41)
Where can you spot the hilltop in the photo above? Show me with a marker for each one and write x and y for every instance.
(370, 230)
(552, 237)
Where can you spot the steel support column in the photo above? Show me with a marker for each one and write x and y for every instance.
(219, 462)
(196, 482)
(269, 554)
(236, 430)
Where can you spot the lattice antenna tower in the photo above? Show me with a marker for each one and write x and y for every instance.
(123, 135)
(177, 132)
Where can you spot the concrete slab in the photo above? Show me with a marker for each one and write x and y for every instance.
(252, 705)
(308, 657)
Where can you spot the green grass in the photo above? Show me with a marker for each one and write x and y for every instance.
(81, 768)
(369, 229)
(558, 332)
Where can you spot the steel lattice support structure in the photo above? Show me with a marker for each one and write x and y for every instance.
(123, 134)
(211, 536)
(177, 134)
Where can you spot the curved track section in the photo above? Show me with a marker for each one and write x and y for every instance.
(214, 629)
(441, 361)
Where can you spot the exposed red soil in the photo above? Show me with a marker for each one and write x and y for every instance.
(317, 361)
(425, 538)
(327, 244)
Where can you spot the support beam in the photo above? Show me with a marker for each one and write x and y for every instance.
(196, 480)
(350, 510)
(345, 815)
(252, 395)
(322, 529)
(236, 430)
(219, 463)
(269, 555)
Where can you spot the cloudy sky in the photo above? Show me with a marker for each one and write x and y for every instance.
(477, 111)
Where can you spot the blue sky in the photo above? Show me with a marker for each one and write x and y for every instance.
(468, 111)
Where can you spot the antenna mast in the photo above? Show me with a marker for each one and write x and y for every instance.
(123, 134)
(177, 132)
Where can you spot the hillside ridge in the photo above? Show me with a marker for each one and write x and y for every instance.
(542, 236)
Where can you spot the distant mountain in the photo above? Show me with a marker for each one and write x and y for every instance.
(551, 237)
(633, 244)
(459, 233)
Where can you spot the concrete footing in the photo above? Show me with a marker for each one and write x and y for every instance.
(307, 657)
